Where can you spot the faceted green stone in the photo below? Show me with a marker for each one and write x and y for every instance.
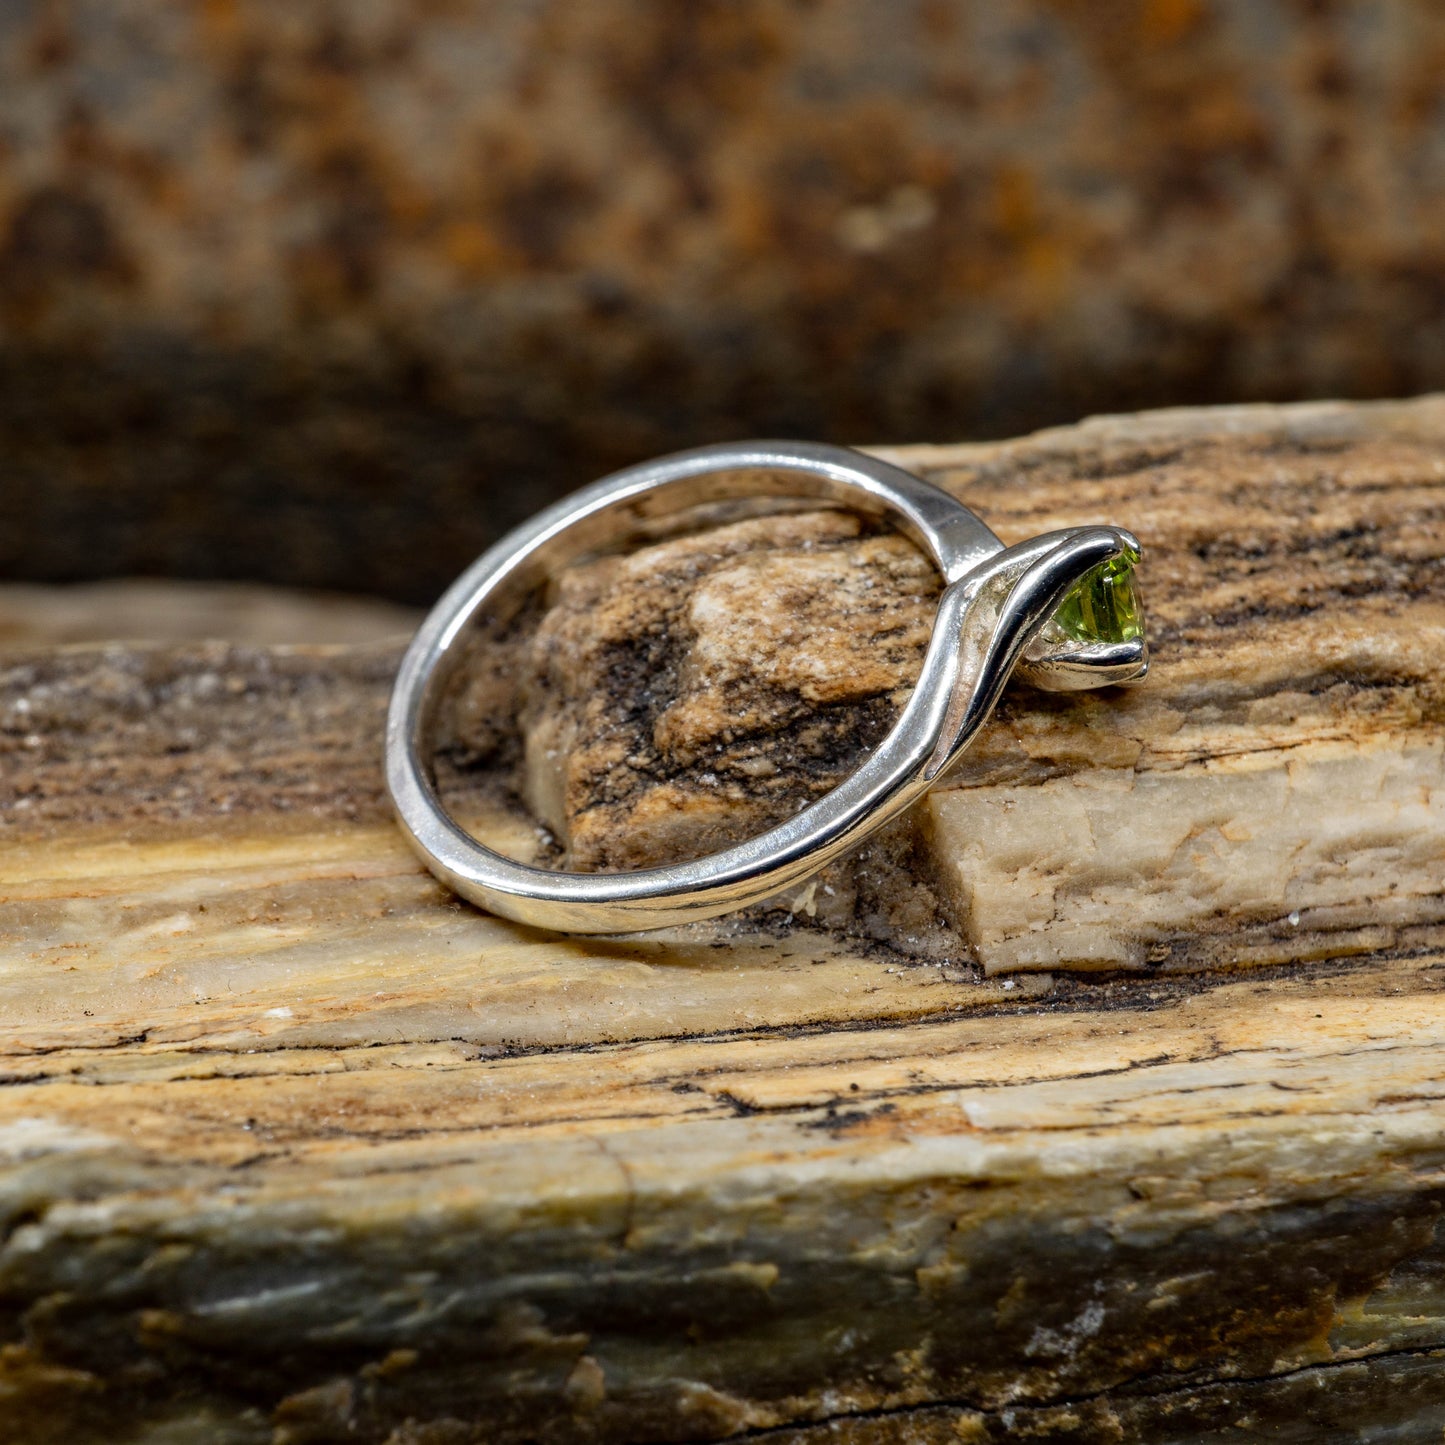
(1104, 605)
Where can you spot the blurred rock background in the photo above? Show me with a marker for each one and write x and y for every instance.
(330, 294)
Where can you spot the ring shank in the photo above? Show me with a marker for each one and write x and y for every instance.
(891, 778)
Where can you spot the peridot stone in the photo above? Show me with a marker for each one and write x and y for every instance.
(1104, 605)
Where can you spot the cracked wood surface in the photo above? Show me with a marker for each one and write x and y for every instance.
(294, 1147)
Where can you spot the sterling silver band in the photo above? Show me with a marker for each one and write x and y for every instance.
(989, 621)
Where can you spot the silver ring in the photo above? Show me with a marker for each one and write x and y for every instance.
(997, 613)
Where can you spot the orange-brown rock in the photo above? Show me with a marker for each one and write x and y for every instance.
(334, 301)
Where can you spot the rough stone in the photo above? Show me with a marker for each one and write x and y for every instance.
(296, 1147)
(334, 298)
(711, 685)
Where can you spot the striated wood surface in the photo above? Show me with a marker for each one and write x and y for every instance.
(294, 1147)
(33, 615)
(707, 686)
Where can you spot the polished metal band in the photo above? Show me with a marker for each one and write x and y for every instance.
(991, 619)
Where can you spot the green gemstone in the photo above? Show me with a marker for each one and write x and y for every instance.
(1104, 604)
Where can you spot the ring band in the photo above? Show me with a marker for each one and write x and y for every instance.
(992, 617)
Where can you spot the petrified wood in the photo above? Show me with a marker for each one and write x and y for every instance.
(1101, 1101)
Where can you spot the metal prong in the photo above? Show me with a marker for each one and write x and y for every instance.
(1079, 666)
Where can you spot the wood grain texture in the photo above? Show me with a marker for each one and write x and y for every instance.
(35, 615)
(294, 1147)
